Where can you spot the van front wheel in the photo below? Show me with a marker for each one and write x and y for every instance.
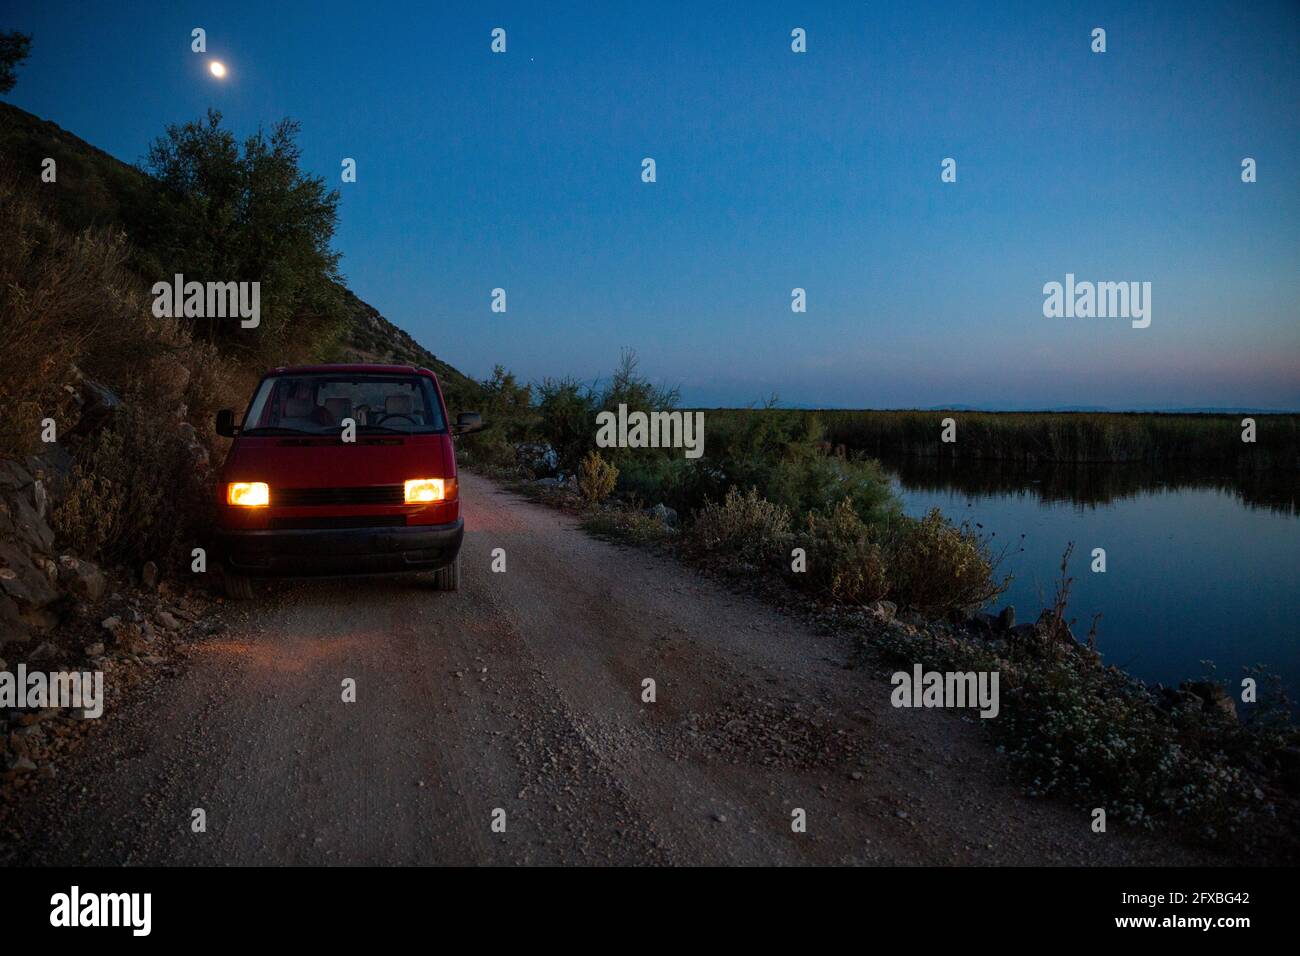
(448, 578)
(239, 587)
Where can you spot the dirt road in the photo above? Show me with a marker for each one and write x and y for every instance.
(523, 692)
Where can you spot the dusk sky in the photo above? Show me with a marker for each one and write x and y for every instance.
(775, 170)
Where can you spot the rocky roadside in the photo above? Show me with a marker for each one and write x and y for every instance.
(62, 614)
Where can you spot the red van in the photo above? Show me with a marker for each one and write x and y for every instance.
(341, 469)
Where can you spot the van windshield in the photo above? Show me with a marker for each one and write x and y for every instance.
(319, 403)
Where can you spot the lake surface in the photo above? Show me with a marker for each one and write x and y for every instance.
(1198, 567)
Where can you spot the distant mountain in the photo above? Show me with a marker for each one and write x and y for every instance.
(99, 190)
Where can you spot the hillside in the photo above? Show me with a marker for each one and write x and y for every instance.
(98, 190)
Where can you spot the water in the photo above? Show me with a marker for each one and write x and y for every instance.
(1198, 567)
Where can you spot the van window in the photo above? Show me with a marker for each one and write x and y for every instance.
(318, 403)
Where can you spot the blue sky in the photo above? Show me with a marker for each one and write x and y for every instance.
(775, 170)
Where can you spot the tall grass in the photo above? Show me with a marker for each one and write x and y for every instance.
(1032, 437)
(1070, 436)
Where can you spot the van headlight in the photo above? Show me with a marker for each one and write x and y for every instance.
(421, 490)
(248, 494)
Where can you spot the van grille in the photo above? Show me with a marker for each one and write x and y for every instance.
(338, 522)
(371, 495)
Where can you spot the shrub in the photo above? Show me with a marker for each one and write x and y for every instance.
(58, 292)
(628, 525)
(938, 567)
(596, 478)
(843, 561)
(133, 493)
(568, 420)
(745, 526)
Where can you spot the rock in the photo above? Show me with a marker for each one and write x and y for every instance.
(884, 610)
(1007, 618)
(149, 575)
(1023, 631)
(13, 631)
(22, 764)
(82, 578)
(53, 468)
(98, 402)
(44, 651)
(168, 621)
(111, 624)
(984, 623)
(29, 526)
(95, 650)
(13, 476)
(664, 514)
(128, 638)
(20, 578)
(40, 498)
(537, 456)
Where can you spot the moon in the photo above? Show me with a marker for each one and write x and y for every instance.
(218, 68)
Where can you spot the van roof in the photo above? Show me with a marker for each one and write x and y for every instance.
(381, 369)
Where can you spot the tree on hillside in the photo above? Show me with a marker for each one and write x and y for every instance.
(250, 215)
(14, 49)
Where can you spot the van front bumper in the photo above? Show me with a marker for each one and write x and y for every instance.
(317, 551)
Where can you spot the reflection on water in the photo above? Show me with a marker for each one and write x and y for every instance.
(1096, 484)
(1199, 567)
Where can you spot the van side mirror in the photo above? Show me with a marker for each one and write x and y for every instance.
(467, 422)
(226, 426)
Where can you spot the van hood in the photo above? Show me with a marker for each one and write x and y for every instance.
(286, 461)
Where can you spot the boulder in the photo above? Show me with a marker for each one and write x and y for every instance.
(13, 630)
(26, 523)
(45, 651)
(98, 402)
(149, 575)
(22, 581)
(663, 514)
(884, 610)
(1007, 618)
(537, 457)
(13, 476)
(82, 578)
